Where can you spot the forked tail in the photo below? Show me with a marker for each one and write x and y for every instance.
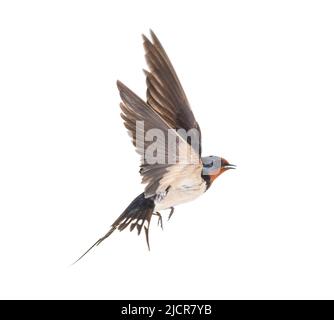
(138, 214)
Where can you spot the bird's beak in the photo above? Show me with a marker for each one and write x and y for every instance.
(230, 166)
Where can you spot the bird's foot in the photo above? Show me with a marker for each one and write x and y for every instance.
(159, 219)
(171, 213)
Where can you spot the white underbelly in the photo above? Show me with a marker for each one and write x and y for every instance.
(180, 195)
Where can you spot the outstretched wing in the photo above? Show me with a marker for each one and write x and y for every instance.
(178, 162)
(165, 93)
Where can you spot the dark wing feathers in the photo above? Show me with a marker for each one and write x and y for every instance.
(164, 91)
(135, 109)
(167, 108)
(157, 176)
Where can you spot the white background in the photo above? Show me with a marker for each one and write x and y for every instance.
(259, 76)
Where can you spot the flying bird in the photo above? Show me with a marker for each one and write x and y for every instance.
(184, 174)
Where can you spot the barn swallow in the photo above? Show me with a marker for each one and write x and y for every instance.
(177, 179)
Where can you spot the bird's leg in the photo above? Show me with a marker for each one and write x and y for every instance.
(171, 213)
(160, 219)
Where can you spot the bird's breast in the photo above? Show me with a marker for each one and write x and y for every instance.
(181, 192)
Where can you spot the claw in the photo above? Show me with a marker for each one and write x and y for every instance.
(171, 213)
(160, 219)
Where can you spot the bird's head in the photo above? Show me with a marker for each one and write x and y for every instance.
(214, 166)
